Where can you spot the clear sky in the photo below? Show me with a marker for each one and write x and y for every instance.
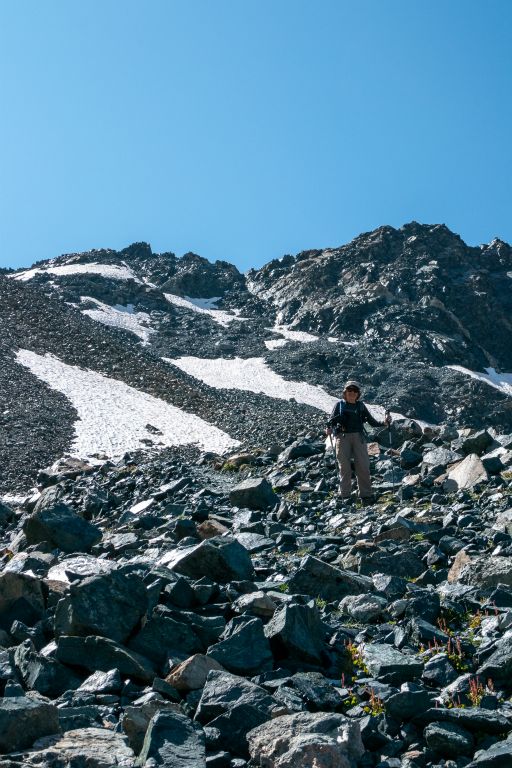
(247, 129)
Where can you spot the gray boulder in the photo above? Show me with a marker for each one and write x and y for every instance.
(390, 665)
(498, 666)
(296, 634)
(23, 720)
(101, 653)
(173, 741)
(485, 572)
(221, 558)
(498, 755)
(243, 648)
(254, 493)
(21, 599)
(306, 739)
(319, 579)
(162, 635)
(57, 523)
(91, 747)
(110, 605)
(223, 692)
(43, 674)
(448, 739)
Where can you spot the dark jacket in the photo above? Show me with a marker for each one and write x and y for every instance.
(351, 418)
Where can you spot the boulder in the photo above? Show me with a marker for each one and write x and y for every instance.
(369, 559)
(390, 665)
(136, 719)
(473, 719)
(364, 608)
(191, 674)
(173, 741)
(256, 604)
(93, 747)
(254, 493)
(300, 449)
(221, 558)
(61, 526)
(466, 474)
(24, 720)
(484, 572)
(21, 599)
(243, 648)
(43, 674)
(296, 634)
(318, 579)
(110, 605)
(498, 755)
(498, 666)
(448, 739)
(162, 635)
(101, 653)
(224, 692)
(477, 442)
(306, 739)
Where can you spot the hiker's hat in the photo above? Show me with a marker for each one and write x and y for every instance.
(352, 383)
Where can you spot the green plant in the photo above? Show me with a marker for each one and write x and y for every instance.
(229, 466)
(357, 658)
(418, 537)
(375, 705)
(284, 587)
(477, 691)
(320, 602)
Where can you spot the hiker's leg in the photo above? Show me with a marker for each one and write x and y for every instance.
(344, 453)
(362, 465)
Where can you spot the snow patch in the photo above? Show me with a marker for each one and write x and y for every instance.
(113, 418)
(204, 307)
(501, 381)
(301, 336)
(111, 271)
(253, 375)
(120, 316)
(275, 343)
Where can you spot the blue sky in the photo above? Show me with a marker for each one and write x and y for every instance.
(247, 129)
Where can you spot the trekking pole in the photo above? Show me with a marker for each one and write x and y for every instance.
(337, 462)
(388, 415)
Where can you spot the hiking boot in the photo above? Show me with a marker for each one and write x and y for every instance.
(367, 501)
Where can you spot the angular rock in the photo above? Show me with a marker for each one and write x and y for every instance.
(21, 599)
(223, 692)
(319, 579)
(485, 572)
(299, 449)
(465, 475)
(370, 559)
(191, 674)
(296, 634)
(254, 493)
(173, 741)
(102, 682)
(364, 608)
(162, 635)
(57, 523)
(135, 719)
(42, 674)
(220, 558)
(256, 604)
(498, 755)
(23, 720)
(474, 719)
(243, 649)
(390, 665)
(306, 739)
(498, 666)
(448, 739)
(110, 605)
(100, 653)
(91, 747)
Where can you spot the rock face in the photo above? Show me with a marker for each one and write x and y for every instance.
(306, 739)
(23, 720)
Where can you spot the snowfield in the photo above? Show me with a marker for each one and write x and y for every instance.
(253, 375)
(119, 316)
(110, 271)
(501, 381)
(113, 417)
(203, 307)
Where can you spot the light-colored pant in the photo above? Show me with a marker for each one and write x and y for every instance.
(352, 445)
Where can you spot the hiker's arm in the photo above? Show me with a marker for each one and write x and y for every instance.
(371, 420)
(334, 419)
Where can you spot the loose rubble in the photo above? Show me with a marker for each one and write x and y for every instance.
(186, 609)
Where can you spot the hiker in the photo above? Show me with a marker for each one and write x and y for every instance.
(347, 423)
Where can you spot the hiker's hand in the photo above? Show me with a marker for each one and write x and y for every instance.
(388, 420)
